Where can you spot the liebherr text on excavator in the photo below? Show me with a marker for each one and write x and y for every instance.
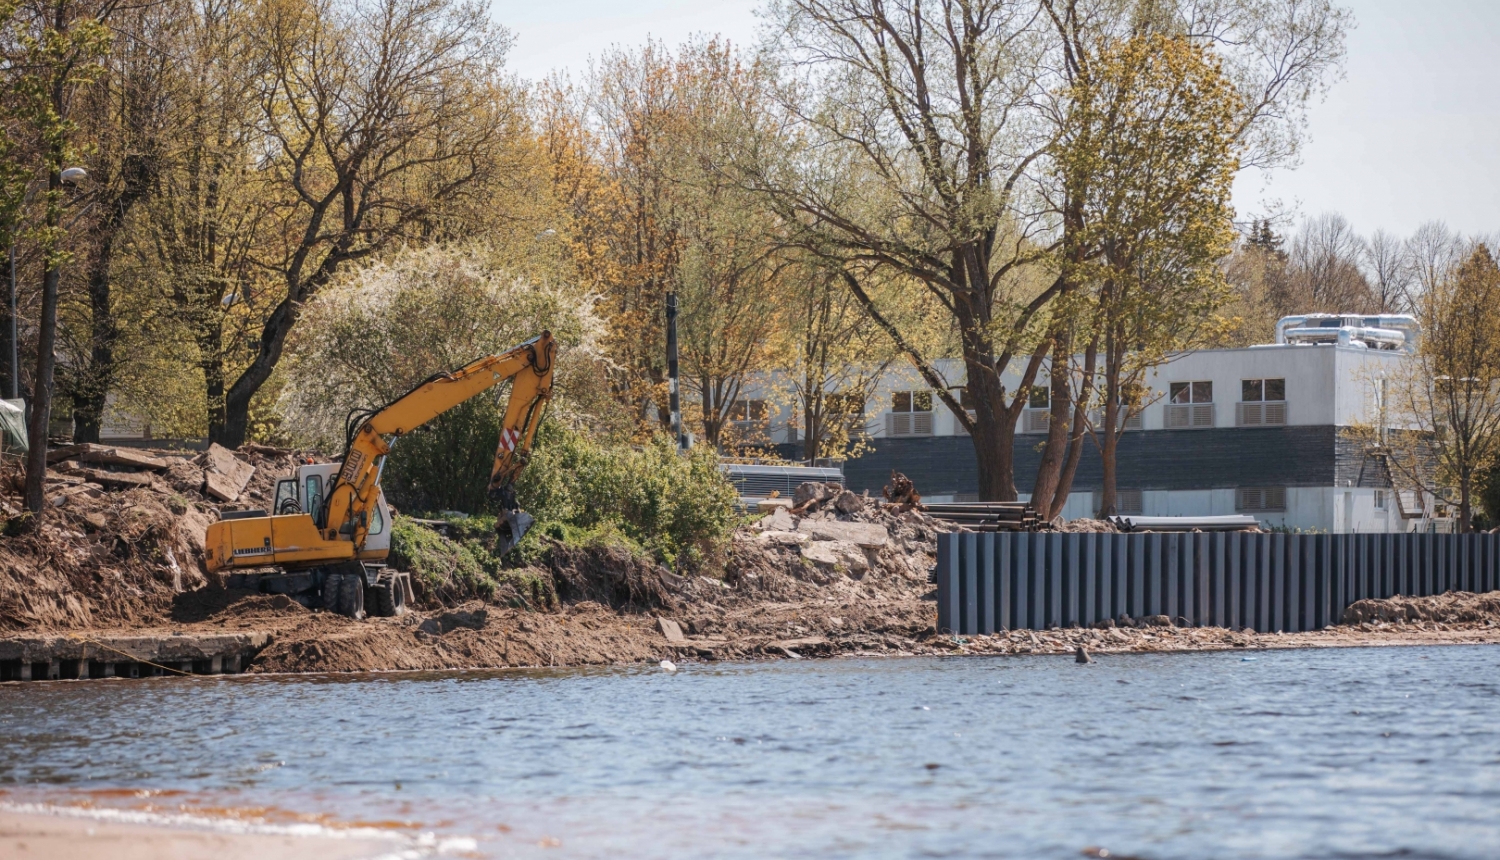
(327, 536)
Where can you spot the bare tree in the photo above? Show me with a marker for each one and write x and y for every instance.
(1389, 272)
(918, 113)
(1325, 256)
(1432, 252)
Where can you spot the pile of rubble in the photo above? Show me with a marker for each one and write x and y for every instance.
(842, 531)
(1451, 608)
(123, 532)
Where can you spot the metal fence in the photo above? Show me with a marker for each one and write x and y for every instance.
(1267, 582)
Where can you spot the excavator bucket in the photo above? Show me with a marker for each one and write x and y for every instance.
(513, 526)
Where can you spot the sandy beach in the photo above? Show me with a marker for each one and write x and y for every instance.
(43, 836)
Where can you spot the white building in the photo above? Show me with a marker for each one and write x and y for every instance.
(1265, 430)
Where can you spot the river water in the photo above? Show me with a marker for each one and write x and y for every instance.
(1319, 753)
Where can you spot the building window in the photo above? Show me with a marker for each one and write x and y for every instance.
(1127, 421)
(1191, 405)
(1127, 502)
(1259, 499)
(748, 412)
(911, 414)
(1037, 415)
(1380, 500)
(1262, 403)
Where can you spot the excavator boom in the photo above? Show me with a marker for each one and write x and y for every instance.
(528, 366)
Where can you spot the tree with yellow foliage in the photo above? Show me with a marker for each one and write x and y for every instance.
(1445, 403)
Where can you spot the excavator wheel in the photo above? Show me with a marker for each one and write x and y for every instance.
(344, 593)
(333, 593)
(387, 597)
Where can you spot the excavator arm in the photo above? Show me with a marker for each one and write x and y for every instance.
(356, 491)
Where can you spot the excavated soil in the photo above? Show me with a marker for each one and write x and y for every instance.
(844, 575)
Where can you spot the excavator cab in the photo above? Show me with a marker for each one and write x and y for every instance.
(305, 493)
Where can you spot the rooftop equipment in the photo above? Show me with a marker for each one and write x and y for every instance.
(1392, 332)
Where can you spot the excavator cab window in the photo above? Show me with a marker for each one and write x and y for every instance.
(286, 497)
(377, 521)
(314, 497)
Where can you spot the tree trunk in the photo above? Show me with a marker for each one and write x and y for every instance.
(41, 395)
(1109, 447)
(1060, 411)
(104, 334)
(1465, 509)
(1074, 454)
(994, 433)
(12, 369)
(211, 360)
(94, 382)
(237, 399)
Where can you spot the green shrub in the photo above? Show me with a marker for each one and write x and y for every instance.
(445, 464)
(463, 566)
(651, 498)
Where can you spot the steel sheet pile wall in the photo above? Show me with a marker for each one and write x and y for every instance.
(1267, 582)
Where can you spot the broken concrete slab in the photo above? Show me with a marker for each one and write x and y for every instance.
(113, 479)
(849, 503)
(766, 506)
(91, 453)
(225, 475)
(813, 492)
(837, 554)
(672, 630)
(784, 538)
(872, 535)
(779, 520)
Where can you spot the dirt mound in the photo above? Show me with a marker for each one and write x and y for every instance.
(477, 636)
(1451, 608)
(121, 541)
(610, 575)
(100, 556)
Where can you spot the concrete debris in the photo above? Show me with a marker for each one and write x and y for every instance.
(870, 535)
(672, 630)
(849, 503)
(766, 506)
(837, 554)
(225, 475)
(810, 494)
(780, 519)
(784, 538)
(109, 479)
(90, 453)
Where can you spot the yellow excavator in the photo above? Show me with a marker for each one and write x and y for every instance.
(327, 536)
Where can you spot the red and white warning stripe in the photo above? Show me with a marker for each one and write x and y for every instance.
(509, 439)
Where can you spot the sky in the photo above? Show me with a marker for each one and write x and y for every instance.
(1411, 133)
